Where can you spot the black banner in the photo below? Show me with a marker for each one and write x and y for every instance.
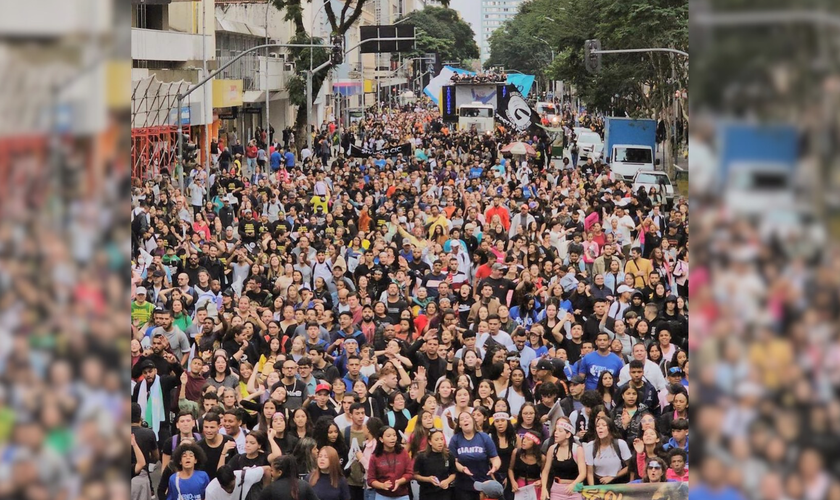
(513, 110)
(357, 152)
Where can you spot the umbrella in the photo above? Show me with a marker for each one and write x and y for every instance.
(519, 148)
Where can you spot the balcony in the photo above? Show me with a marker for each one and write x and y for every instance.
(156, 45)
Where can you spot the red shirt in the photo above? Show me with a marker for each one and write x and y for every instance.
(390, 467)
(670, 474)
(251, 152)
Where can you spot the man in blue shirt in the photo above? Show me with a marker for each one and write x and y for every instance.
(275, 160)
(591, 365)
(290, 159)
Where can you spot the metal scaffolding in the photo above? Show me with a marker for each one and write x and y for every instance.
(155, 122)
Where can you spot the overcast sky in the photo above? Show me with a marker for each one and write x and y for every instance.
(470, 11)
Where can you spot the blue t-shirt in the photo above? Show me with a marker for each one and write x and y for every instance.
(191, 489)
(475, 455)
(276, 159)
(290, 159)
(593, 364)
(703, 492)
(475, 172)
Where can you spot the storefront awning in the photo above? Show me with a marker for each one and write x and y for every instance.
(239, 28)
(258, 96)
(390, 82)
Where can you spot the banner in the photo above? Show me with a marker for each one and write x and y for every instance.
(523, 83)
(436, 84)
(357, 152)
(637, 491)
(514, 111)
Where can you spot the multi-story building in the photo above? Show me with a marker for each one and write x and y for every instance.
(172, 47)
(242, 25)
(494, 13)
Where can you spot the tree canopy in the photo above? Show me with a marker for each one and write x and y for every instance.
(643, 82)
(441, 30)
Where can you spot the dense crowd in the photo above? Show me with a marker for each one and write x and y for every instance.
(454, 323)
(488, 76)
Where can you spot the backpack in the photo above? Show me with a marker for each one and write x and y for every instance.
(356, 474)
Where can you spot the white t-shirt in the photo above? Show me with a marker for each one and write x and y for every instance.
(215, 491)
(606, 462)
(501, 338)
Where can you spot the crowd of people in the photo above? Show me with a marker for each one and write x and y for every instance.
(489, 76)
(454, 323)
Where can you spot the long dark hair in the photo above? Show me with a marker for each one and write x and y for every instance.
(380, 448)
(419, 433)
(321, 434)
(612, 390)
(286, 465)
(303, 454)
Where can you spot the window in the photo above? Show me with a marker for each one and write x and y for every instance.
(467, 112)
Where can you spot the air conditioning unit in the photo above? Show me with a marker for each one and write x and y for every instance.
(278, 55)
(289, 66)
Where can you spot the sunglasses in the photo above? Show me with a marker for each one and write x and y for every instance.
(654, 466)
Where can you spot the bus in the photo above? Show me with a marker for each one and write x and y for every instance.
(476, 116)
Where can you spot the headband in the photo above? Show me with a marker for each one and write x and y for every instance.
(532, 437)
(501, 416)
(566, 426)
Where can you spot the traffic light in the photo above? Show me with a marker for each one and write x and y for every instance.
(591, 59)
(337, 51)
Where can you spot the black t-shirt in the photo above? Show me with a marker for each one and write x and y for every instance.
(394, 310)
(501, 287)
(435, 465)
(572, 350)
(281, 490)
(147, 442)
(213, 455)
(242, 461)
(315, 412)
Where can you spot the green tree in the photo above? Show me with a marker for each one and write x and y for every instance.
(517, 45)
(340, 23)
(441, 30)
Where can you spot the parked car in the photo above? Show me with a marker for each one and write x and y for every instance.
(654, 178)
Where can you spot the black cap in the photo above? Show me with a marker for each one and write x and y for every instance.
(578, 379)
(147, 363)
(545, 364)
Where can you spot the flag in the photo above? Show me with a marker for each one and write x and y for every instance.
(637, 491)
(514, 111)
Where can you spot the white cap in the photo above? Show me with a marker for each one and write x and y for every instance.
(140, 290)
(625, 289)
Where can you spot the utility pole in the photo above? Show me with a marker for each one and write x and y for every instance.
(267, 84)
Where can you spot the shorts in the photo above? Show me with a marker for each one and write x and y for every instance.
(558, 492)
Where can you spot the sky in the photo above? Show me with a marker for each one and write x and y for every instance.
(470, 12)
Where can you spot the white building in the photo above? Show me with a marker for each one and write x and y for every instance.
(494, 13)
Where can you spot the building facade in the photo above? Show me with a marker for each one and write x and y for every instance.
(494, 13)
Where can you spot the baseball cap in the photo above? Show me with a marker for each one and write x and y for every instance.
(544, 364)
(140, 290)
(322, 387)
(147, 363)
(498, 267)
(624, 289)
(675, 371)
(578, 379)
(491, 489)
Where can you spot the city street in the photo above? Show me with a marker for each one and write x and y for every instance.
(410, 266)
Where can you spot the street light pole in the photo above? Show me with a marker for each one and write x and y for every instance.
(267, 84)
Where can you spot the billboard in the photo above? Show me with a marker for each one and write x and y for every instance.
(387, 31)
